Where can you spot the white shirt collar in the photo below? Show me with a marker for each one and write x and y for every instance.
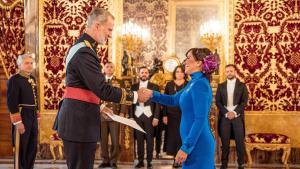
(144, 82)
(232, 81)
(108, 77)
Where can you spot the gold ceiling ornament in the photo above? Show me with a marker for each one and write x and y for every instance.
(9, 4)
(211, 34)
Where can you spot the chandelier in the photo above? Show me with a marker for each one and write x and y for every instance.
(133, 36)
(211, 34)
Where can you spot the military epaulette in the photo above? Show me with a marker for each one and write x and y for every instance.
(88, 44)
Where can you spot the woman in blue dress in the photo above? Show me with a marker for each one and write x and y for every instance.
(198, 143)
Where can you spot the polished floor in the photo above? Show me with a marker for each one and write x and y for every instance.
(157, 164)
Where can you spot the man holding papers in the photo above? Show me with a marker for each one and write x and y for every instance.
(231, 99)
(79, 114)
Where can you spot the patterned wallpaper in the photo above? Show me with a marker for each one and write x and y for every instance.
(267, 52)
(152, 14)
(12, 34)
(62, 23)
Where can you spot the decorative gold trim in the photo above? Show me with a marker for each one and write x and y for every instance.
(272, 113)
(41, 56)
(231, 8)
(123, 98)
(115, 49)
(269, 147)
(8, 7)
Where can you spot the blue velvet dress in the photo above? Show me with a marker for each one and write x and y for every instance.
(197, 138)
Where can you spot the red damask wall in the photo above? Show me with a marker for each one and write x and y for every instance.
(267, 52)
(12, 44)
(63, 22)
(12, 34)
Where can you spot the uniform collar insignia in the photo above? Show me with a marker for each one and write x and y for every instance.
(22, 73)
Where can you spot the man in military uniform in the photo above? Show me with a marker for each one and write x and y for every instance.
(23, 107)
(109, 127)
(79, 115)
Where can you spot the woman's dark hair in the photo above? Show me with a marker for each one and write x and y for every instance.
(210, 61)
(174, 72)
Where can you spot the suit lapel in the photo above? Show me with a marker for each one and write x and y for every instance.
(225, 93)
(149, 85)
(236, 88)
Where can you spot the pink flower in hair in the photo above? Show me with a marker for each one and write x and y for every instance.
(210, 63)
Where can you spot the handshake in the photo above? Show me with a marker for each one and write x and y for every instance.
(144, 95)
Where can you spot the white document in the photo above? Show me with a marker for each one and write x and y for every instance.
(125, 121)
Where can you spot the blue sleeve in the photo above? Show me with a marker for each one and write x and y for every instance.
(200, 99)
(167, 100)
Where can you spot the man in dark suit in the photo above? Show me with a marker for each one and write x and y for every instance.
(78, 117)
(109, 127)
(231, 99)
(146, 115)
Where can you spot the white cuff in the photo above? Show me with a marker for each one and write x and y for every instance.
(235, 114)
(135, 97)
(102, 107)
(226, 115)
(17, 122)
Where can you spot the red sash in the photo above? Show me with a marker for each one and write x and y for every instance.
(81, 94)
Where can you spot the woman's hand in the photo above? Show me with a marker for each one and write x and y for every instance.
(181, 157)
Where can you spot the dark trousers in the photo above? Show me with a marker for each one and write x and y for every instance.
(146, 124)
(80, 155)
(28, 144)
(158, 136)
(113, 129)
(237, 127)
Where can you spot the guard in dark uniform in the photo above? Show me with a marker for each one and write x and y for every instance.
(22, 104)
(109, 127)
(79, 115)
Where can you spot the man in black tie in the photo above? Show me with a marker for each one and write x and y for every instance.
(231, 99)
(109, 127)
(146, 115)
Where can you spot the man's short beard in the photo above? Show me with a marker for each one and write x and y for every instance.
(230, 78)
(142, 79)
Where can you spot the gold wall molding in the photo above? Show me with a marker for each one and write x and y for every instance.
(41, 64)
(116, 49)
